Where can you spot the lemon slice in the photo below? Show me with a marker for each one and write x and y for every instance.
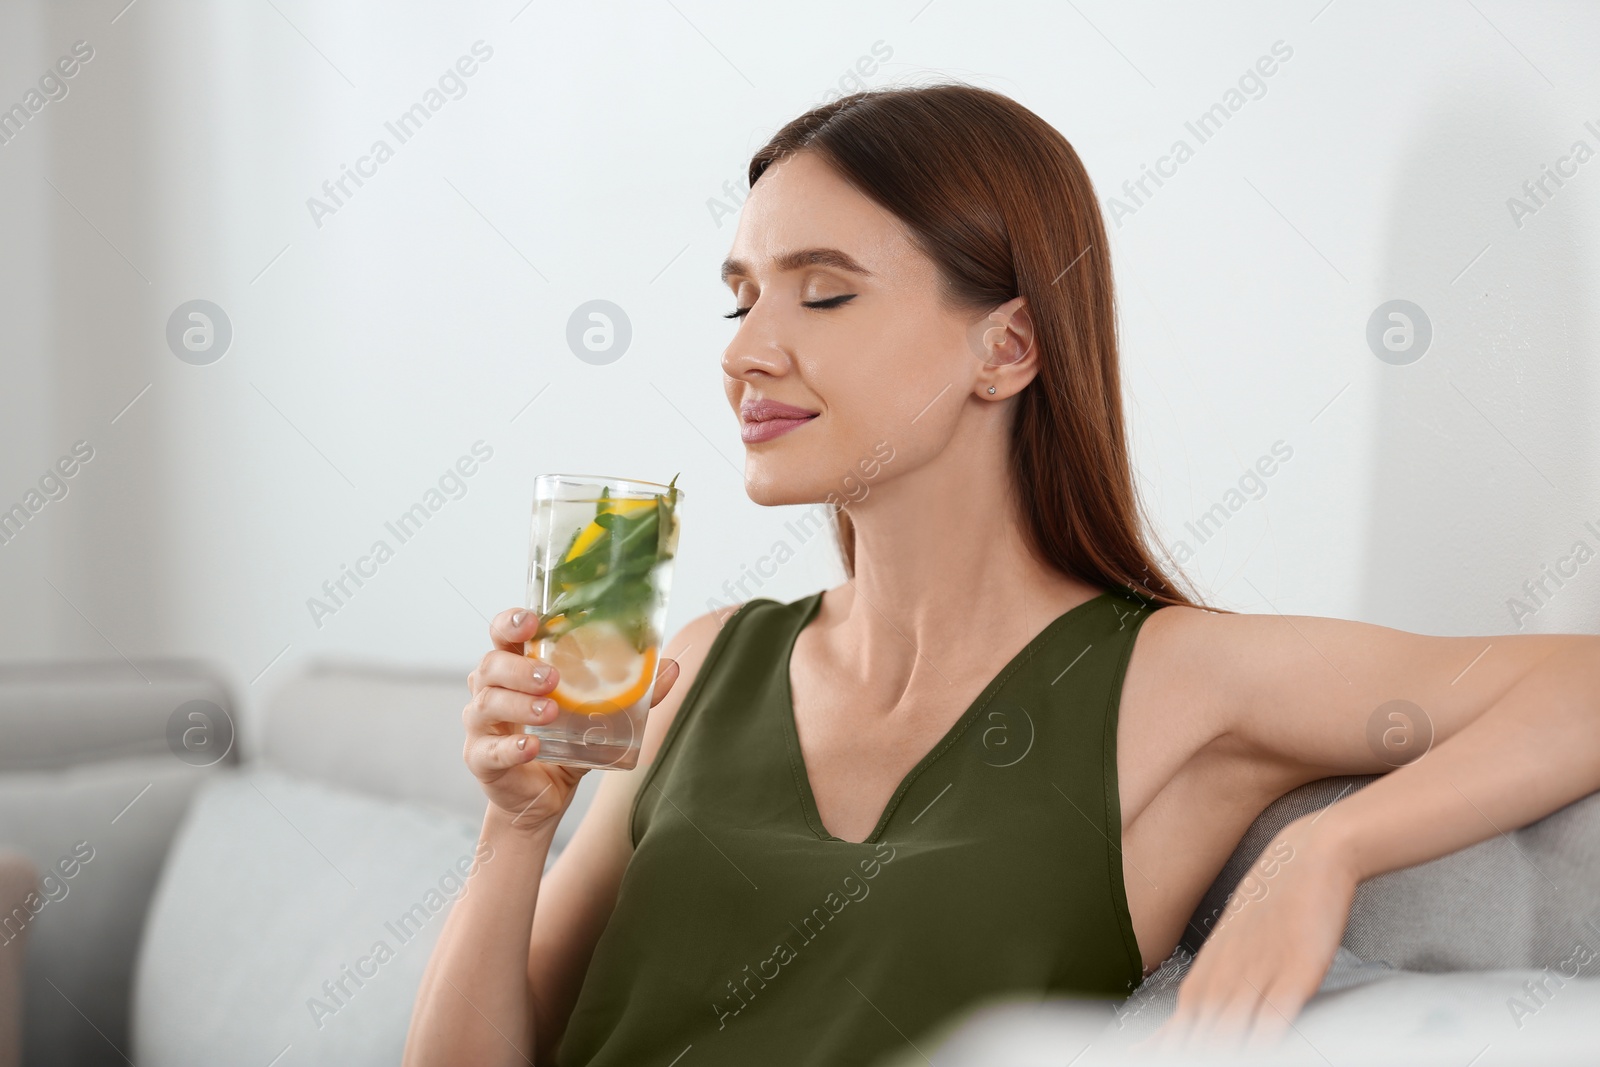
(601, 672)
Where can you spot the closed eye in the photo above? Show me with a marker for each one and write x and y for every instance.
(831, 302)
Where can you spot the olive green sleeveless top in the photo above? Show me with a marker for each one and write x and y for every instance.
(743, 932)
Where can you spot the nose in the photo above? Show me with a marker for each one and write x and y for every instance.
(753, 352)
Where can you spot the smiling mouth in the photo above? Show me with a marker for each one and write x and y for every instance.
(754, 432)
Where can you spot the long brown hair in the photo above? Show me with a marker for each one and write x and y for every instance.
(999, 200)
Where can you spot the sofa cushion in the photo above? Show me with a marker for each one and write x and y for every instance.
(294, 914)
(388, 732)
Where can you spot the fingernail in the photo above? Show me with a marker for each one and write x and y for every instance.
(516, 620)
(522, 742)
(541, 675)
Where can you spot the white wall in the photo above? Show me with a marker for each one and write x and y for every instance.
(424, 315)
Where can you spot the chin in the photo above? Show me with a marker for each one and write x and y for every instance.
(771, 480)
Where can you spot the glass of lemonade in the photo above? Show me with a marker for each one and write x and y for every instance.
(599, 573)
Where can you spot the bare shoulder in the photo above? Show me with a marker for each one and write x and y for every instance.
(1175, 700)
(1188, 788)
(689, 648)
(1169, 673)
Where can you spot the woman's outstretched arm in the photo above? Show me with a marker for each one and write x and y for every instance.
(1478, 736)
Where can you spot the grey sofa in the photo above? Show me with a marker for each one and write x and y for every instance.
(220, 900)
(280, 909)
(1489, 956)
(88, 785)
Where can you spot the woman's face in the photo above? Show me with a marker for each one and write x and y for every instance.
(842, 317)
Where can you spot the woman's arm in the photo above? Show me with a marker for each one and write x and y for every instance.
(472, 1005)
(1494, 733)
(1534, 750)
(512, 954)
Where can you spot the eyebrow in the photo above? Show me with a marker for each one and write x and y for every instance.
(805, 257)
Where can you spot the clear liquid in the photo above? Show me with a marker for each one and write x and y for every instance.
(609, 741)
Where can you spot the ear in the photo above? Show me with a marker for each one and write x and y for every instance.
(1003, 341)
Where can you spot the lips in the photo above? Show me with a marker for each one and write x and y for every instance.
(767, 429)
(763, 420)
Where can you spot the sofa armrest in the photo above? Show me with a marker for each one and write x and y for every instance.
(1313, 796)
(98, 760)
(1523, 899)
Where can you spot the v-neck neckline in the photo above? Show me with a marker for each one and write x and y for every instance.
(802, 779)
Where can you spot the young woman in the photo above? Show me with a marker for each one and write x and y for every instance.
(957, 775)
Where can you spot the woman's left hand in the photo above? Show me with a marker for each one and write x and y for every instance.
(1270, 950)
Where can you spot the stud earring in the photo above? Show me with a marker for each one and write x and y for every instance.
(991, 389)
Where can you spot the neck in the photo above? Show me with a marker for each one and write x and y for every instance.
(943, 571)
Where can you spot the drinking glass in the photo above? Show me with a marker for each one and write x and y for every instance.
(599, 574)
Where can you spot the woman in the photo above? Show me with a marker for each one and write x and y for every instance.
(957, 775)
